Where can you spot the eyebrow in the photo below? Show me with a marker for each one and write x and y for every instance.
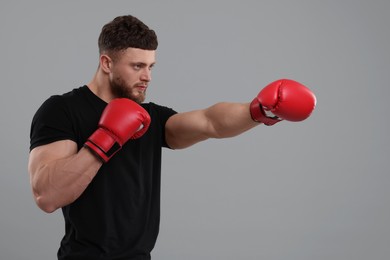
(143, 64)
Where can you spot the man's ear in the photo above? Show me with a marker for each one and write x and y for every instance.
(105, 63)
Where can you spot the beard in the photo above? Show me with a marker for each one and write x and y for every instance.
(120, 90)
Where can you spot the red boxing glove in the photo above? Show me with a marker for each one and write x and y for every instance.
(121, 120)
(283, 99)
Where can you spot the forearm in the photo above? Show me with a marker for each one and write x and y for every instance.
(60, 182)
(229, 119)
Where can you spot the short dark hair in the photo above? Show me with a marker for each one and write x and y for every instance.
(126, 32)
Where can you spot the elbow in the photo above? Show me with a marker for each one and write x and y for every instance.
(44, 203)
(43, 197)
(45, 206)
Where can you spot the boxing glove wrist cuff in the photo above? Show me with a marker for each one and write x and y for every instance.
(258, 114)
(103, 144)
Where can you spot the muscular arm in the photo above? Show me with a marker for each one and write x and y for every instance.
(221, 120)
(59, 173)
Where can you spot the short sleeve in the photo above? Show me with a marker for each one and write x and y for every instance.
(51, 123)
(163, 113)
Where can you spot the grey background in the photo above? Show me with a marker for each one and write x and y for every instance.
(311, 190)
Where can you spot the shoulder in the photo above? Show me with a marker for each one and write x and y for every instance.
(51, 105)
(160, 111)
(57, 117)
(63, 102)
(61, 99)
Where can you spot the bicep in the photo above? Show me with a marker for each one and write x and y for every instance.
(185, 129)
(44, 154)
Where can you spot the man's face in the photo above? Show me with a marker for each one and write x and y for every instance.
(131, 73)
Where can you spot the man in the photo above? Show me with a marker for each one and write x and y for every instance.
(95, 151)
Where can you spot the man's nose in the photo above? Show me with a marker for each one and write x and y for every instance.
(146, 75)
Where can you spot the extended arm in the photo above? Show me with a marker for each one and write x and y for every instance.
(221, 120)
(281, 100)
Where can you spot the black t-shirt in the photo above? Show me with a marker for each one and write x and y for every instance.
(118, 215)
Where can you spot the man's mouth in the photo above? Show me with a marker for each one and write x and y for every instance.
(142, 88)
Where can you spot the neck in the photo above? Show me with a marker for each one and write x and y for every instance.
(100, 86)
